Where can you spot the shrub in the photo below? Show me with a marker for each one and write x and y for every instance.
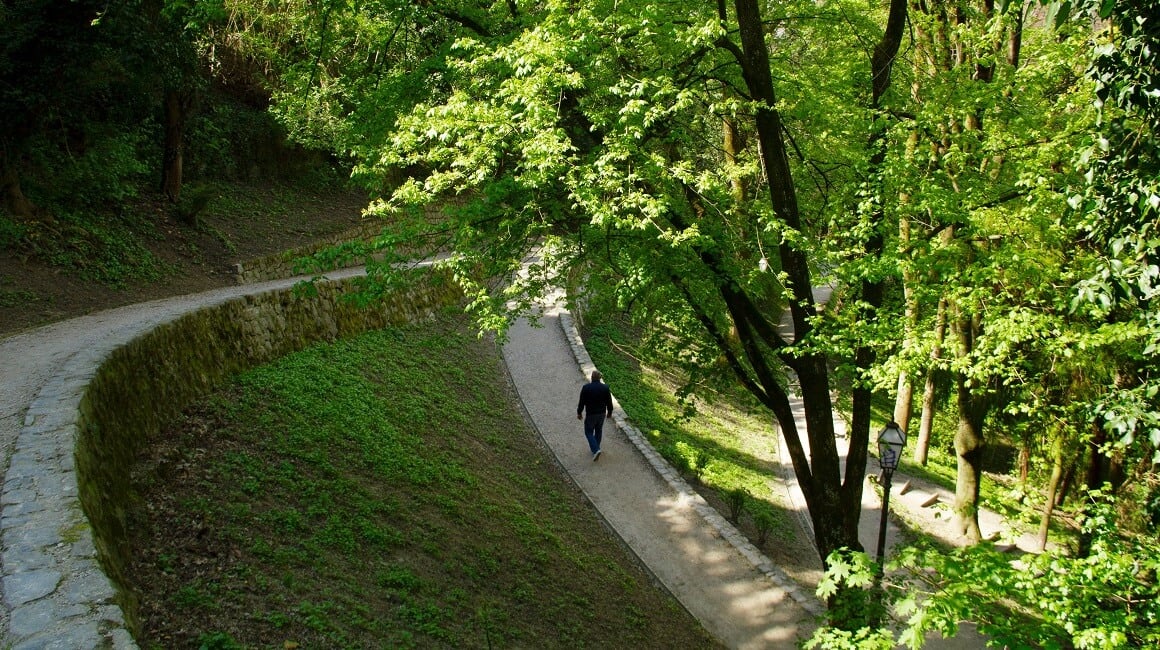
(11, 233)
(217, 641)
(763, 520)
(737, 499)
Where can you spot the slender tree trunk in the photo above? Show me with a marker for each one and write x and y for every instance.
(1015, 41)
(1069, 473)
(1024, 462)
(732, 146)
(904, 395)
(926, 424)
(881, 68)
(1052, 488)
(1097, 476)
(173, 153)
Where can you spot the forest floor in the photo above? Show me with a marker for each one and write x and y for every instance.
(241, 224)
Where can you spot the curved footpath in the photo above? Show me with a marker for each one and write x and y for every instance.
(732, 588)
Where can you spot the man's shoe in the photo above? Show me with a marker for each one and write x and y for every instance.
(596, 456)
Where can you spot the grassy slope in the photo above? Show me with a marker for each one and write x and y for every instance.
(379, 492)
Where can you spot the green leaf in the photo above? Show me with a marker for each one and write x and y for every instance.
(1058, 13)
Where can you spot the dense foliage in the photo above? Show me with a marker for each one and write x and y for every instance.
(109, 105)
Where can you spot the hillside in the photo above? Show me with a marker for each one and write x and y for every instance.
(239, 222)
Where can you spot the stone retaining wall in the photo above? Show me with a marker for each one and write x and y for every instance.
(281, 265)
(63, 517)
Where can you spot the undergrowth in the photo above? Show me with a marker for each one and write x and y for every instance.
(105, 248)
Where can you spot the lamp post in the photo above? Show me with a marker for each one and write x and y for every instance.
(891, 442)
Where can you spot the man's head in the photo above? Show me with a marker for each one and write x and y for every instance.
(596, 376)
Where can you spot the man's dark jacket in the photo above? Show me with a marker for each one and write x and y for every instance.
(597, 398)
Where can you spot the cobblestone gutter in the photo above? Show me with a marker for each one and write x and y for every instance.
(62, 519)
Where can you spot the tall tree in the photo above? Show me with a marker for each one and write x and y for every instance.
(595, 130)
(176, 30)
(982, 168)
(1119, 206)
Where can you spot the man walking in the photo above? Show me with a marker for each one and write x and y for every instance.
(597, 398)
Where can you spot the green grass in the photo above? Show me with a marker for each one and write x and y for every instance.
(17, 298)
(379, 492)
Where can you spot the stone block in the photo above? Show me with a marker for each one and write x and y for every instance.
(21, 588)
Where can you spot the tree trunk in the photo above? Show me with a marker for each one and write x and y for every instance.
(1024, 463)
(904, 396)
(12, 197)
(176, 107)
(1097, 476)
(969, 450)
(902, 401)
(969, 441)
(1069, 473)
(1052, 487)
(926, 424)
(731, 138)
(926, 420)
(1015, 40)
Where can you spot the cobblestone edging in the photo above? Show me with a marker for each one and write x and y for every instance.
(61, 558)
(727, 530)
